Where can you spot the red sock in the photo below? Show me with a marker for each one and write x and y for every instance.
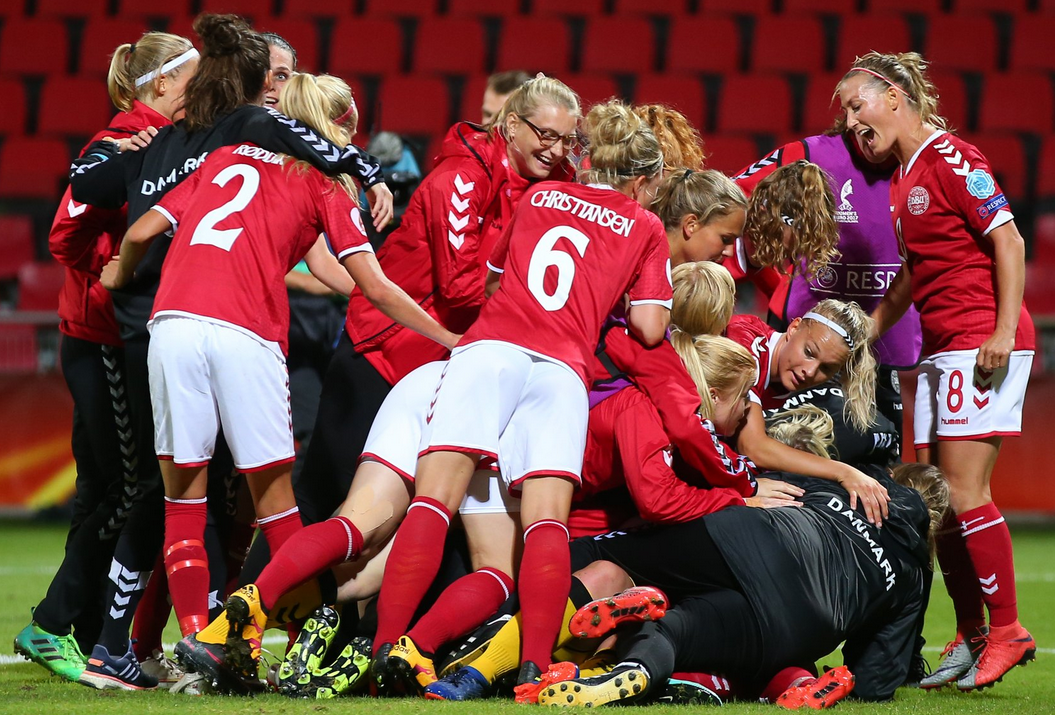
(187, 563)
(152, 613)
(463, 606)
(278, 528)
(988, 542)
(545, 581)
(787, 678)
(308, 553)
(960, 579)
(412, 567)
(715, 683)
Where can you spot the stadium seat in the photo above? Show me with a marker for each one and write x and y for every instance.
(33, 168)
(311, 9)
(1029, 44)
(825, 7)
(245, 8)
(101, 36)
(754, 104)
(16, 243)
(736, 7)
(859, 34)
(677, 8)
(819, 108)
(1043, 243)
(413, 105)
(618, 44)
(1045, 188)
(366, 46)
(729, 154)
(18, 348)
(400, 8)
(787, 44)
(1008, 161)
(301, 34)
(39, 283)
(73, 107)
(449, 46)
(67, 8)
(33, 47)
(952, 97)
(520, 48)
(13, 118)
(592, 89)
(483, 8)
(1040, 291)
(1017, 7)
(1016, 102)
(924, 7)
(966, 43)
(682, 93)
(719, 35)
(568, 8)
(169, 10)
(472, 98)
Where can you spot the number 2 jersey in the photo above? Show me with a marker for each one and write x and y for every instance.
(570, 254)
(944, 202)
(242, 221)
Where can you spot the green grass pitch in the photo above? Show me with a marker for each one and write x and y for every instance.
(29, 554)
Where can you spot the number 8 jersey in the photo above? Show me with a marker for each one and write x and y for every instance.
(567, 258)
(242, 221)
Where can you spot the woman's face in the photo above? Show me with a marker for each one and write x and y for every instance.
(539, 143)
(868, 116)
(810, 354)
(175, 87)
(729, 411)
(282, 69)
(712, 241)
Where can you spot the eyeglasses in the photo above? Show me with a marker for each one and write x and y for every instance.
(548, 138)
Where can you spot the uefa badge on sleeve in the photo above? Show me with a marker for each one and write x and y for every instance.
(980, 184)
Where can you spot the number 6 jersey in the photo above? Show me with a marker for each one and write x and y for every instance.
(242, 221)
(569, 255)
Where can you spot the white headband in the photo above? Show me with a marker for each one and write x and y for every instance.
(836, 328)
(167, 67)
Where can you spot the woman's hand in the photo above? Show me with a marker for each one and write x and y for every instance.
(774, 489)
(873, 495)
(137, 141)
(381, 205)
(995, 352)
(759, 502)
(111, 277)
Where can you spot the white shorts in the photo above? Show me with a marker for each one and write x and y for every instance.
(397, 434)
(204, 376)
(526, 410)
(955, 400)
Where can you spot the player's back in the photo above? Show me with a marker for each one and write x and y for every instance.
(570, 255)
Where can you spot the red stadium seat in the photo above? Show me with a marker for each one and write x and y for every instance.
(39, 283)
(170, 9)
(310, 9)
(827, 7)
(73, 107)
(1007, 159)
(413, 105)
(72, 8)
(755, 104)
(16, 243)
(907, 6)
(860, 34)
(472, 98)
(1029, 45)
(520, 48)
(13, 118)
(592, 89)
(18, 348)
(33, 47)
(366, 47)
(33, 168)
(245, 8)
(729, 154)
(1046, 170)
(952, 97)
(483, 8)
(677, 8)
(787, 44)
(100, 38)
(718, 34)
(737, 7)
(449, 46)
(682, 93)
(618, 44)
(1017, 102)
(301, 34)
(400, 8)
(966, 43)
(1007, 6)
(568, 8)
(820, 109)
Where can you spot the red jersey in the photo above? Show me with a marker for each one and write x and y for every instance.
(629, 462)
(759, 339)
(243, 220)
(943, 203)
(84, 238)
(570, 254)
(438, 254)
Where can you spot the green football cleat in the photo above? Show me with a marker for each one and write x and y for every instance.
(59, 654)
(306, 654)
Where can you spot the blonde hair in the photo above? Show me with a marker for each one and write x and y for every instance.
(906, 72)
(622, 146)
(714, 361)
(931, 484)
(131, 61)
(681, 144)
(537, 92)
(319, 101)
(858, 376)
(706, 194)
(806, 428)
(800, 193)
(704, 295)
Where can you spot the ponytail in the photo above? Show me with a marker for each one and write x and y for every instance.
(134, 64)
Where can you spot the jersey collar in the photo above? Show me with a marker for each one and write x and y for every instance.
(911, 162)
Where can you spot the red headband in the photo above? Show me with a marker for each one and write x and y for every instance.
(340, 121)
(888, 81)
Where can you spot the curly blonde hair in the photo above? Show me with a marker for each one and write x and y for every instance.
(622, 146)
(714, 361)
(931, 484)
(858, 376)
(706, 194)
(704, 296)
(796, 195)
(681, 144)
(806, 428)
(907, 72)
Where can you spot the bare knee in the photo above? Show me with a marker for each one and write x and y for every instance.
(603, 578)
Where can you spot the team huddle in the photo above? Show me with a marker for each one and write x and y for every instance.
(548, 460)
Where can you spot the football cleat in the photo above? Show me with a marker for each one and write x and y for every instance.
(528, 692)
(191, 684)
(818, 693)
(599, 617)
(473, 646)
(466, 683)
(207, 659)
(105, 672)
(160, 666)
(246, 619)
(688, 692)
(341, 677)
(957, 658)
(379, 675)
(59, 654)
(306, 654)
(997, 658)
(626, 683)
(410, 666)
